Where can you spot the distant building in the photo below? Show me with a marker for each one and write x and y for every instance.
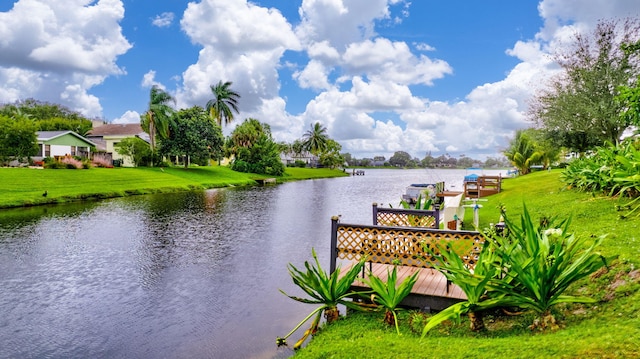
(108, 136)
(290, 158)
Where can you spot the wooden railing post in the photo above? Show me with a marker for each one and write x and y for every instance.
(375, 214)
(436, 211)
(334, 244)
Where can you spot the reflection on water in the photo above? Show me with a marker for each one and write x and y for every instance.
(180, 275)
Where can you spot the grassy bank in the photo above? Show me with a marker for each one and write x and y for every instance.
(26, 186)
(607, 329)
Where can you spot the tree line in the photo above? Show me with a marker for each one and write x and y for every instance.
(403, 159)
(190, 136)
(196, 135)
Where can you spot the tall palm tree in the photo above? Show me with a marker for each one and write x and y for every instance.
(223, 102)
(157, 119)
(316, 139)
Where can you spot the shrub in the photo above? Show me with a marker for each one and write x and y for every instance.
(71, 163)
(101, 162)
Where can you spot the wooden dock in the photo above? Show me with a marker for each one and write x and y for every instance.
(483, 186)
(429, 292)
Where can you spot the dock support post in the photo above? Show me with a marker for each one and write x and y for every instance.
(375, 214)
(334, 244)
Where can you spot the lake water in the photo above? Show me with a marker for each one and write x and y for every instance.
(180, 275)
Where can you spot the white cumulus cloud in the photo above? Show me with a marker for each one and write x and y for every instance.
(58, 50)
(242, 43)
(163, 20)
(128, 117)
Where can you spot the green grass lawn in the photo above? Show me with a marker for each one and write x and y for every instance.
(25, 186)
(607, 329)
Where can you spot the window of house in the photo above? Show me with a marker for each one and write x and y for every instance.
(47, 150)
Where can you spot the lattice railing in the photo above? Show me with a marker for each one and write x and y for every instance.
(403, 246)
(398, 217)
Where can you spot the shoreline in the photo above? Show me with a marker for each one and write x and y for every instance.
(26, 187)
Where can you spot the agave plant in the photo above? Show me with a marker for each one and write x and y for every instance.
(419, 204)
(389, 294)
(475, 283)
(419, 221)
(326, 290)
(539, 262)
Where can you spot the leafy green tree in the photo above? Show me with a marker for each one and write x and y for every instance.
(48, 117)
(17, 138)
(400, 159)
(495, 162)
(136, 149)
(428, 161)
(629, 95)
(254, 150)
(466, 162)
(331, 156)
(193, 135)
(575, 141)
(79, 126)
(157, 120)
(349, 159)
(581, 100)
(522, 152)
(315, 140)
(39, 110)
(223, 103)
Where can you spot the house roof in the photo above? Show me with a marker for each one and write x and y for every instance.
(117, 129)
(45, 136)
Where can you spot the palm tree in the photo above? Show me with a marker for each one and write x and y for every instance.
(156, 121)
(315, 140)
(223, 102)
(158, 117)
(522, 152)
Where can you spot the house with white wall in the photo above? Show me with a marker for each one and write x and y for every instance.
(63, 143)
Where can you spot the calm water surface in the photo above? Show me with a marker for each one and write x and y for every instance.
(186, 275)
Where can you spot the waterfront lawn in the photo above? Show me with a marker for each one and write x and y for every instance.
(26, 186)
(297, 173)
(607, 329)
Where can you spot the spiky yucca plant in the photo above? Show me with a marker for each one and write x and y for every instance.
(389, 295)
(539, 262)
(475, 283)
(326, 290)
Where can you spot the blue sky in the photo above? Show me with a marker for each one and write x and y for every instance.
(382, 75)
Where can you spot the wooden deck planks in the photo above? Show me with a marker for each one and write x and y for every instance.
(430, 282)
